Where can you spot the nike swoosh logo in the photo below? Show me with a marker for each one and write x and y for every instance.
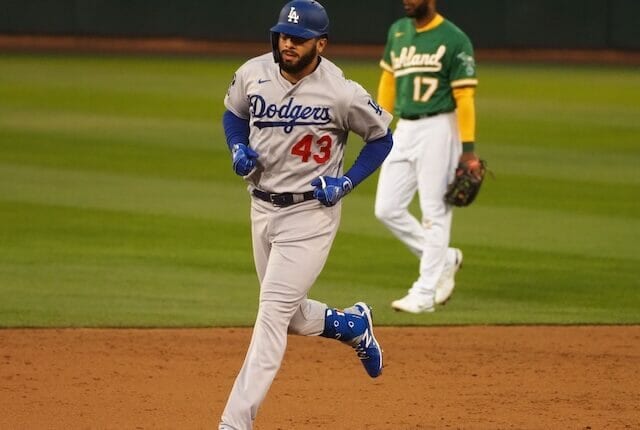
(398, 34)
(262, 81)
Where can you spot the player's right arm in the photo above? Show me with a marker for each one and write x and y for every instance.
(387, 91)
(387, 85)
(236, 131)
(236, 127)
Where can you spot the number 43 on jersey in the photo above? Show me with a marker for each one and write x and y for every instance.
(319, 151)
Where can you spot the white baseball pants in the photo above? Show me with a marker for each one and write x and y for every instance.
(424, 157)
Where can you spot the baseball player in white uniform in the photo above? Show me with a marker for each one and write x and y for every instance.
(286, 124)
(429, 79)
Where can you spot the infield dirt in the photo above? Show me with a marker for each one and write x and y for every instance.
(504, 377)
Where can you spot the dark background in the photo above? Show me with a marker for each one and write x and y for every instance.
(557, 24)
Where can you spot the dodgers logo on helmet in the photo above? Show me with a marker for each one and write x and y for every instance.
(303, 18)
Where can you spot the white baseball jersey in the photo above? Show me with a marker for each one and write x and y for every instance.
(300, 130)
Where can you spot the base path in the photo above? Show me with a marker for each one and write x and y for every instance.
(538, 377)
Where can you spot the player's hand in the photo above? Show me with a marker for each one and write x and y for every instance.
(330, 190)
(244, 159)
(472, 163)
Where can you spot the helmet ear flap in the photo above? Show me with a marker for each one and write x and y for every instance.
(275, 38)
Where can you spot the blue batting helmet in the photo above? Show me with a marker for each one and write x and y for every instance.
(300, 18)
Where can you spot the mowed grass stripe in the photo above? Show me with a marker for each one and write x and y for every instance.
(81, 266)
(100, 153)
(117, 192)
(157, 132)
(517, 227)
(120, 272)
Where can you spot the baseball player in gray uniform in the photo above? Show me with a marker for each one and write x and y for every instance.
(286, 124)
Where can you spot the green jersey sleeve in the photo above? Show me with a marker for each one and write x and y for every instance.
(463, 65)
(385, 62)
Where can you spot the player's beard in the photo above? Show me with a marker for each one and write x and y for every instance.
(302, 62)
(421, 11)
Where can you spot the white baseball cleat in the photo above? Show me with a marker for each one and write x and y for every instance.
(447, 283)
(414, 303)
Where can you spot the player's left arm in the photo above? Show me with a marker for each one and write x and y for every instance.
(463, 83)
(371, 122)
(466, 113)
(370, 158)
(330, 190)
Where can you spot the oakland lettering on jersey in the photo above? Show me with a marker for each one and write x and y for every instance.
(409, 59)
(287, 115)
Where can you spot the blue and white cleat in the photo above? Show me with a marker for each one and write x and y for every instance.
(366, 345)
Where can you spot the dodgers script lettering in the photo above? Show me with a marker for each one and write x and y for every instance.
(287, 115)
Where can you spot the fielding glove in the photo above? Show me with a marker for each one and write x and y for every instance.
(330, 190)
(466, 184)
(244, 159)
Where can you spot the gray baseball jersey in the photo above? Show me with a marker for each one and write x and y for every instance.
(300, 130)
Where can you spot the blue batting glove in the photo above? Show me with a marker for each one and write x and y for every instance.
(330, 190)
(244, 159)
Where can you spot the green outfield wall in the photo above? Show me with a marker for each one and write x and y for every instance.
(570, 24)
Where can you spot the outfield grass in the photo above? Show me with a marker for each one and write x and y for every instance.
(118, 206)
